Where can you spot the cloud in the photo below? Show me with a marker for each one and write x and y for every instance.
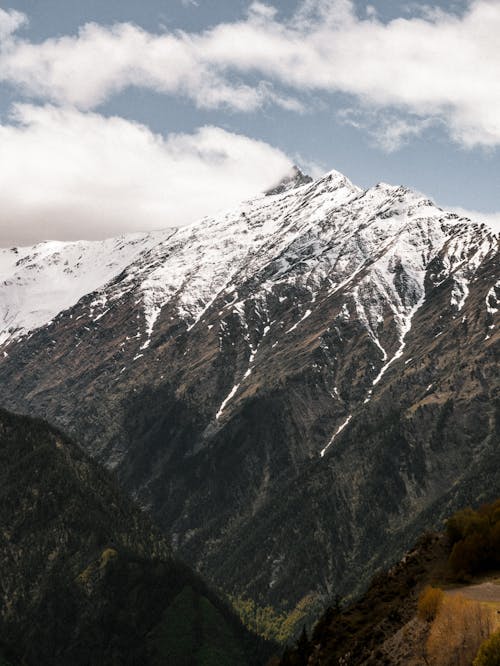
(86, 69)
(10, 22)
(310, 167)
(443, 67)
(436, 66)
(259, 9)
(388, 130)
(66, 174)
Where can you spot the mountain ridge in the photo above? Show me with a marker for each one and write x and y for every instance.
(135, 245)
(87, 578)
(313, 355)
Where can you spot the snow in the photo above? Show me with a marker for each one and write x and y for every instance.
(230, 396)
(345, 314)
(337, 432)
(99, 316)
(304, 316)
(492, 299)
(151, 314)
(37, 283)
(370, 321)
(460, 291)
(370, 249)
(405, 329)
(328, 237)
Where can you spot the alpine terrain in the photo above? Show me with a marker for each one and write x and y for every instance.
(86, 578)
(295, 389)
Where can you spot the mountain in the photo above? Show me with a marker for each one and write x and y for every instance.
(41, 281)
(86, 578)
(438, 605)
(295, 389)
(381, 627)
(291, 181)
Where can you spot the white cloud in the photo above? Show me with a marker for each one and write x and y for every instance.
(259, 9)
(10, 22)
(388, 130)
(86, 69)
(310, 167)
(436, 65)
(65, 174)
(443, 68)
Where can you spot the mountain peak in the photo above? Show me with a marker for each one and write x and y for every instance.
(294, 178)
(212, 368)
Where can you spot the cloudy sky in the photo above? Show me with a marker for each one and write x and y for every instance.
(119, 116)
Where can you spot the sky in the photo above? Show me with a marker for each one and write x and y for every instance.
(122, 116)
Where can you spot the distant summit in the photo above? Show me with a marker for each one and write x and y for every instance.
(292, 180)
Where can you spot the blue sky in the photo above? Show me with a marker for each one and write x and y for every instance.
(382, 91)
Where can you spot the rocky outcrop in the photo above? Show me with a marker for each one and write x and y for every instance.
(294, 179)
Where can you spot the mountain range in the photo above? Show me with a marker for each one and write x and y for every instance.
(293, 389)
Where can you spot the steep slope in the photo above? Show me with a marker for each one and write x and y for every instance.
(39, 282)
(366, 631)
(407, 616)
(322, 356)
(85, 576)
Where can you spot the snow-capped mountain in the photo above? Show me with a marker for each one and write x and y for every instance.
(321, 359)
(325, 237)
(39, 282)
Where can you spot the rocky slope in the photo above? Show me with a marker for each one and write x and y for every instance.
(295, 388)
(86, 579)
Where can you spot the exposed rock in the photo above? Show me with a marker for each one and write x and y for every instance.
(295, 179)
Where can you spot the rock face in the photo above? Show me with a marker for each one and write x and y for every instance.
(294, 179)
(86, 579)
(294, 389)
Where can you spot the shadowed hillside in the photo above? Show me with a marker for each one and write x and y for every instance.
(436, 607)
(86, 578)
